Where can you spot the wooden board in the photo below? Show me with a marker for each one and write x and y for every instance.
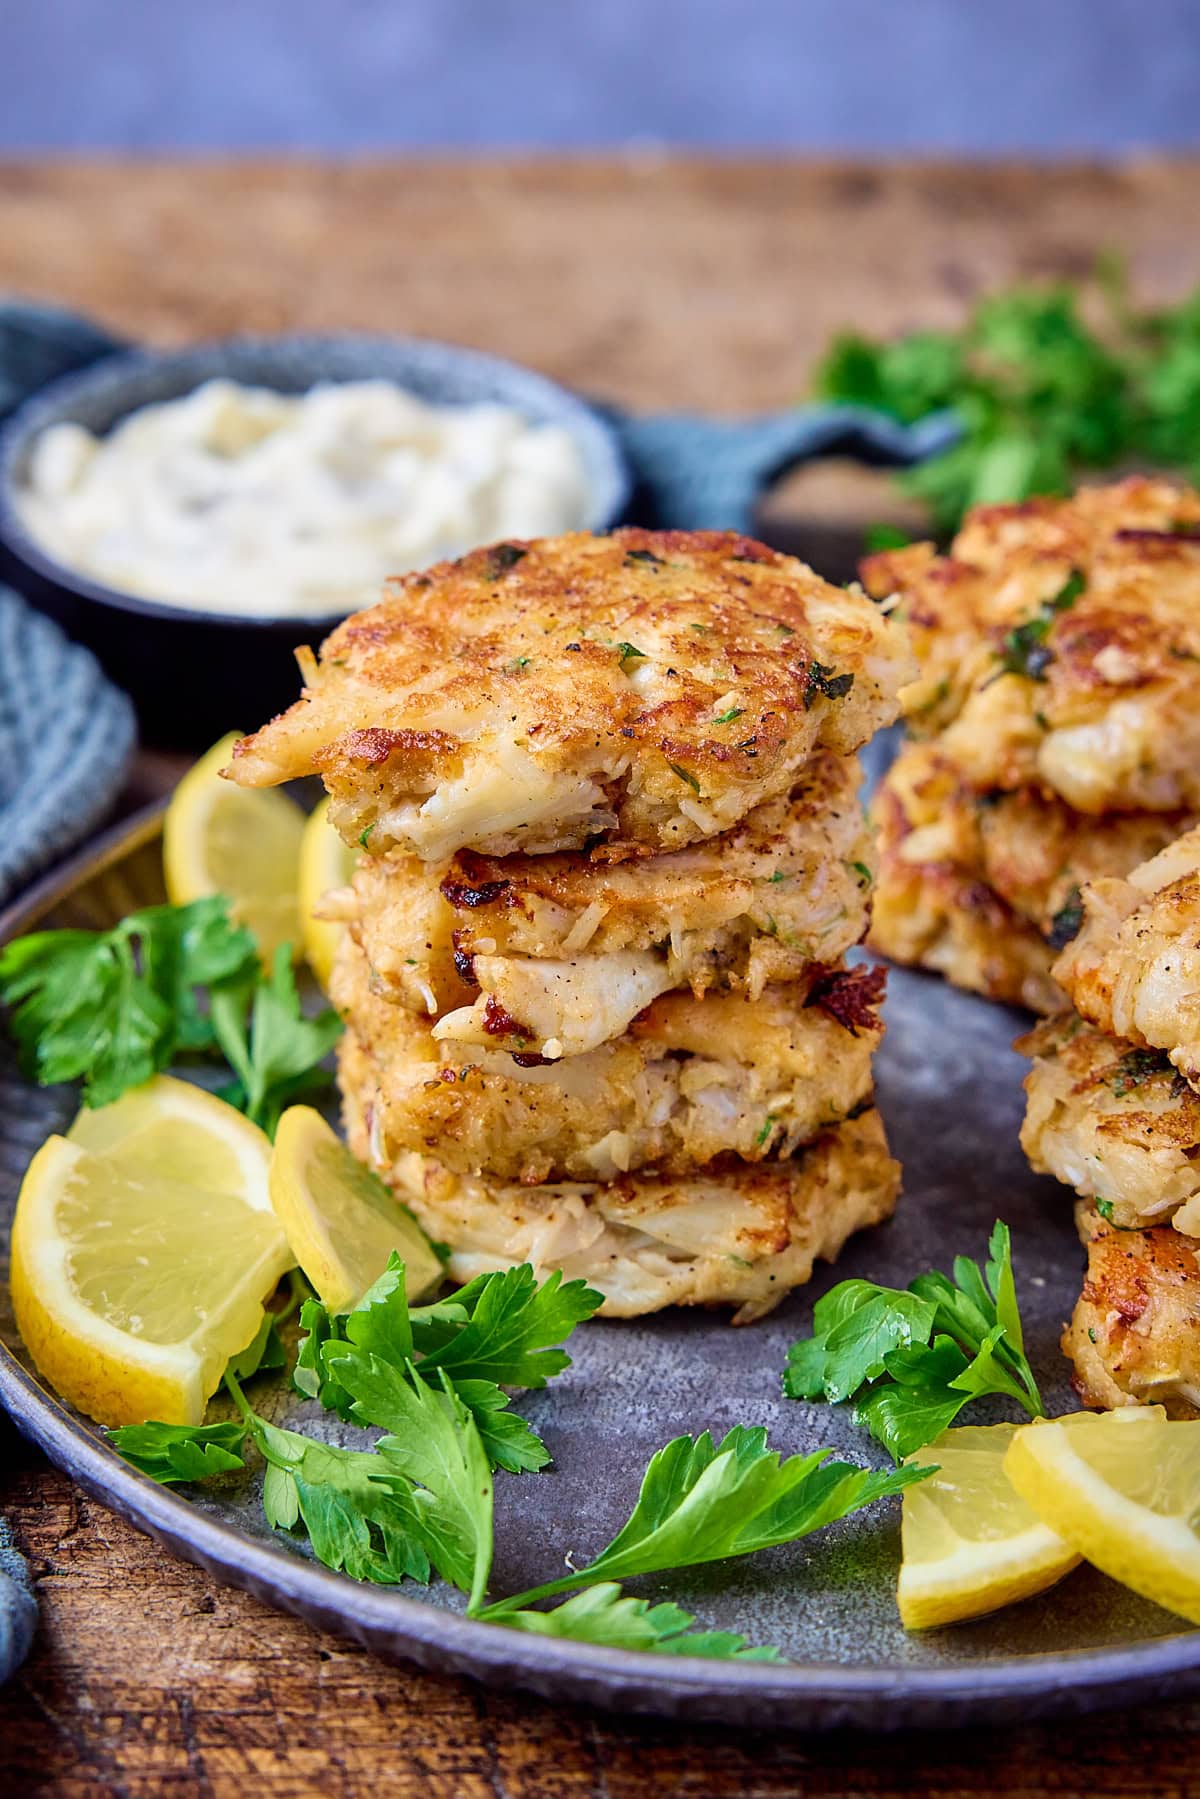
(661, 284)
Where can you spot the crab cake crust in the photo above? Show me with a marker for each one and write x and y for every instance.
(692, 1080)
(1134, 968)
(647, 688)
(575, 946)
(1104, 707)
(1135, 1334)
(1114, 1122)
(730, 1234)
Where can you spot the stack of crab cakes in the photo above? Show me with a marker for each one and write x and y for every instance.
(1054, 726)
(593, 972)
(1113, 1112)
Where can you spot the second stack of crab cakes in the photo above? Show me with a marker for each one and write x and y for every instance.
(1113, 1111)
(593, 971)
(1054, 726)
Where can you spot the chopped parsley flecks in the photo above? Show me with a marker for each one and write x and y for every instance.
(1025, 651)
(821, 681)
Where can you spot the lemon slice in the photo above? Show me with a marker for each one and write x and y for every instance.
(971, 1543)
(325, 865)
(241, 841)
(1124, 1488)
(340, 1219)
(141, 1258)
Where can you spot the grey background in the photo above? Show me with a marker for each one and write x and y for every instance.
(958, 76)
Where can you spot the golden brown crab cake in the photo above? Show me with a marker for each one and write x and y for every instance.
(577, 946)
(732, 1234)
(1059, 645)
(1134, 968)
(692, 1080)
(1134, 1336)
(1114, 1122)
(1034, 852)
(646, 688)
(939, 915)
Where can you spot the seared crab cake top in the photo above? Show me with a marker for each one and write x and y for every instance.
(576, 945)
(1134, 968)
(1059, 644)
(645, 687)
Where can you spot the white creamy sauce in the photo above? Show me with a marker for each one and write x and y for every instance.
(243, 500)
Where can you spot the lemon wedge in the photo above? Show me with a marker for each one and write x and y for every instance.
(1124, 1488)
(340, 1219)
(141, 1256)
(240, 841)
(325, 864)
(971, 1544)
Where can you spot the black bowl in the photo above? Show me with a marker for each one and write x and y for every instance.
(194, 674)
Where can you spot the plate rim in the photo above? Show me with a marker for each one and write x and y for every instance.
(879, 1696)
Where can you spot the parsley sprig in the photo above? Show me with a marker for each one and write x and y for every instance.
(113, 1008)
(422, 1500)
(1046, 382)
(912, 1358)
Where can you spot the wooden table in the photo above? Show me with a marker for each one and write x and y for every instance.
(658, 283)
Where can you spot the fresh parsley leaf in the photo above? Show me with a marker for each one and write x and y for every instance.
(501, 1330)
(1106, 1210)
(115, 1007)
(701, 1502)
(174, 1452)
(432, 1442)
(277, 1053)
(360, 1514)
(511, 1328)
(264, 1352)
(603, 1614)
(913, 1358)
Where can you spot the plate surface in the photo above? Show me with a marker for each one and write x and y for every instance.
(950, 1088)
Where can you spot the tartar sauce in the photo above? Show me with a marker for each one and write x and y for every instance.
(243, 500)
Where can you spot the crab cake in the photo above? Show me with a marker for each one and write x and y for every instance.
(690, 1081)
(1115, 1123)
(1058, 645)
(1135, 1334)
(730, 1234)
(1034, 853)
(576, 946)
(1134, 968)
(932, 911)
(643, 688)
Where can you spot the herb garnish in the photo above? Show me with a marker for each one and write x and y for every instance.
(684, 775)
(629, 652)
(114, 1008)
(821, 680)
(1138, 1066)
(912, 1358)
(1025, 650)
(727, 718)
(1067, 922)
(422, 1499)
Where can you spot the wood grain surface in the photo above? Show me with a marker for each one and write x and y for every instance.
(657, 283)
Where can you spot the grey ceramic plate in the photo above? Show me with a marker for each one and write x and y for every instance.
(950, 1088)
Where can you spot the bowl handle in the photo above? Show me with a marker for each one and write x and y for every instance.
(698, 474)
(40, 343)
